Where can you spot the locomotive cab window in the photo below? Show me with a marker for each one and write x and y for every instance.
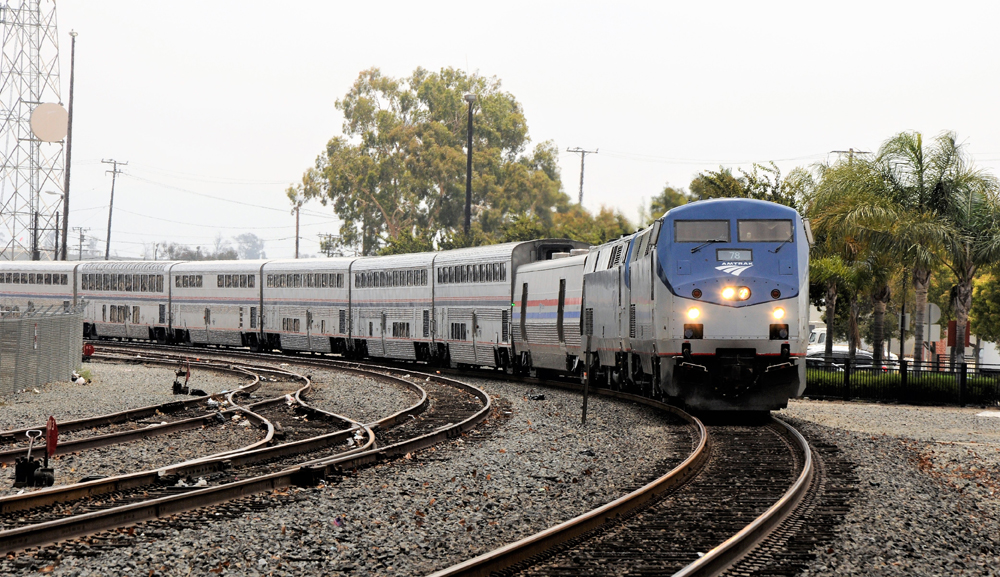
(765, 230)
(701, 230)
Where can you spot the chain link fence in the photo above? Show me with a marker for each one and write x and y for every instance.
(39, 346)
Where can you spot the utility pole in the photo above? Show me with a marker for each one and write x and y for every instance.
(111, 206)
(69, 150)
(850, 152)
(583, 155)
(82, 230)
(295, 211)
(471, 99)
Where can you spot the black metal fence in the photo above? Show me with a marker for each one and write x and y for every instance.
(928, 383)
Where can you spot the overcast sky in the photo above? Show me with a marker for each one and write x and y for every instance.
(219, 106)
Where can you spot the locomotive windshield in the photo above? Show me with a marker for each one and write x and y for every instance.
(764, 230)
(701, 231)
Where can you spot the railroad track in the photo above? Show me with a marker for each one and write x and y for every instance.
(712, 510)
(125, 426)
(52, 515)
(719, 507)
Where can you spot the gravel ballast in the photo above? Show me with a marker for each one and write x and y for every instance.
(529, 467)
(927, 500)
(113, 388)
(338, 392)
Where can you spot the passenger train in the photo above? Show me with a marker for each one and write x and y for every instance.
(707, 307)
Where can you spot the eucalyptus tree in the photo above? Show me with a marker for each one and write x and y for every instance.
(399, 168)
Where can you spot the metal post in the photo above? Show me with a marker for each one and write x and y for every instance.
(847, 378)
(470, 98)
(586, 382)
(55, 253)
(34, 234)
(69, 147)
(963, 378)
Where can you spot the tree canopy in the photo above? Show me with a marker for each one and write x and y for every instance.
(398, 171)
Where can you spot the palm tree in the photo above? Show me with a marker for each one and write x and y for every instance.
(920, 203)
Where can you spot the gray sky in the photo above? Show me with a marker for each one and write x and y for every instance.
(234, 100)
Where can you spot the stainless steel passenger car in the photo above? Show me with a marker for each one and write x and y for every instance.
(547, 318)
(392, 306)
(127, 299)
(26, 286)
(216, 302)
(306, 304)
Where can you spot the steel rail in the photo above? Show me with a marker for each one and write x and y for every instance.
(519, 551)
(52, 531)
(736, 547)
(138, 413)
(150, 431)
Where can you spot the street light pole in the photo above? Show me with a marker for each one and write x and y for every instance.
(69, 147)
(470, 98)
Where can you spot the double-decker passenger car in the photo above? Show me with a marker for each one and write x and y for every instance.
(216, 302)
(125, 299)
(392, 304)
(27, 286)
(306, 305)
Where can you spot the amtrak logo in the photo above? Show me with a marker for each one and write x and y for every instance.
(735, 268)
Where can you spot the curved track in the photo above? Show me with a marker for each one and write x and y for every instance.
(699, 519)
(63, 512)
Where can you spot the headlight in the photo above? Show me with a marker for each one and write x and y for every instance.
(728, 293)
(693, 313)
(779, 313)
(743, 293)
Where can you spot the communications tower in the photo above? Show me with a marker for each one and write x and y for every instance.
(31, 166)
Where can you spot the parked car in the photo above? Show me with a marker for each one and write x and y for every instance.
(863, 360)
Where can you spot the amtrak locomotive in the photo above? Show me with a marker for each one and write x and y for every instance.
(707, 307)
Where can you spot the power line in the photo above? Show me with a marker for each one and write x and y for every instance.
(203, 195)
(583, 155)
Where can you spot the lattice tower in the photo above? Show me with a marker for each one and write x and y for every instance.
(29, 76)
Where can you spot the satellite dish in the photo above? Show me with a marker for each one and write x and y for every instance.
(49, 122)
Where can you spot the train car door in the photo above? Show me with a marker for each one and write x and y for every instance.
(382, 333)
(474, 329)
(309, 324)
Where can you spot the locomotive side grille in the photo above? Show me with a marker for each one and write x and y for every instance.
(505, 326)
(427, 323)
(631, 321)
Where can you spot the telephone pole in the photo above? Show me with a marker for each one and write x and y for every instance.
(81, 230)
(69, 151)
(295, 211)
(583, 155)
(850, 152)
(111, 206)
